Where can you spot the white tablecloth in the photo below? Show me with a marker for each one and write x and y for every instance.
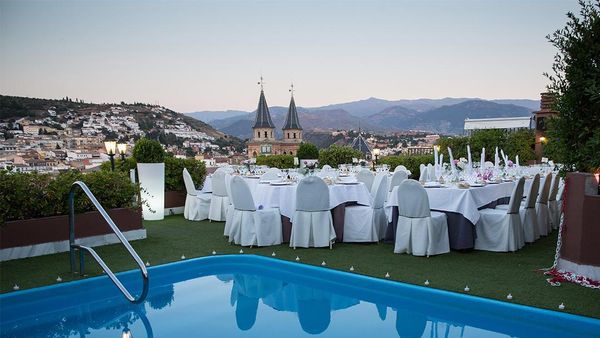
(463, 201)
(284, 197)
(207, 187)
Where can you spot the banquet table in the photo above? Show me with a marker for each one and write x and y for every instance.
(284, 198)
(461, 207)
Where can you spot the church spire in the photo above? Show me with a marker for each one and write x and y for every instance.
(263, 117)
(291, 120)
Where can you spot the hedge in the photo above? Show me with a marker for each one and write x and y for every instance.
(411, 162)
(276, 161)
(34, 195)
(336, 155)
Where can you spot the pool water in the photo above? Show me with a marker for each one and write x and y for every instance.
(252, 296)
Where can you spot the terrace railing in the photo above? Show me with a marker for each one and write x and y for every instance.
(82, 249)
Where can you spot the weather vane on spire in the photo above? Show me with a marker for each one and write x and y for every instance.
(292, 89)
(261, 83)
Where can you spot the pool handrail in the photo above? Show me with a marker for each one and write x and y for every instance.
(93, 253)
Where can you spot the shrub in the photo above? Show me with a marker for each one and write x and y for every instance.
(174, 172)
(148, 151)
(276, 161)
(411, 162)
(307, 151)
(33, 195)
(336, 155)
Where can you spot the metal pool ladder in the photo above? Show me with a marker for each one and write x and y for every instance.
(116, 231)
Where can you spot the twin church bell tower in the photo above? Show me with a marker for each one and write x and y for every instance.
(263, 140)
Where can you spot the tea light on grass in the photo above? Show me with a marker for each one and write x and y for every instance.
(427, 282)
(214, 252)
(323, 264)
(387, 275)
(273, 254)
(509, 296)
(561, 306)
(241, 251)
(297, 259)
(352, 268)
(467, 289)
(16, 287)
(58, 279)
(182, 256)
(147, 263)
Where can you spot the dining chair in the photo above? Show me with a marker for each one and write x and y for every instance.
(527, 211)
(501, 230)
(196, 204)
(420, 231)
(250, 226)
(553, 209)
(366, 176)
(367, 223)
(541, 207)
(312, 224)
(397, 178)
(219, 200)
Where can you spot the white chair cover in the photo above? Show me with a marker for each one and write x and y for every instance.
(366, 176)
(423, 176)
(397, 178)
(367, 223)
(541, 207)
(230, 208)
(501, 230)
(248, 225)
(196, 204)
(553, 204)
(400, 167)
(420, 231)
(219, 200)
(528, 214)
(312, 223)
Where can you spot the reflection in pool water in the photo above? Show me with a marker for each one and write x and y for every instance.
(247, 303)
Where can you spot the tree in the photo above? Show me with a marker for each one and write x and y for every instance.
(574, 135)
(307, 151)
(336, 155)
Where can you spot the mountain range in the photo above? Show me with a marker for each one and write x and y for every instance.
(445, 115)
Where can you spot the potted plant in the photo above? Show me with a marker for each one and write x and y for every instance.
(150, 157)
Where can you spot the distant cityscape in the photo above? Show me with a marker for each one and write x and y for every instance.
(56, 135)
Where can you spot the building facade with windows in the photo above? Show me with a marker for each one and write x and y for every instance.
(263, 132)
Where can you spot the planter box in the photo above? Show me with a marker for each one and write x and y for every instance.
(42, 236)
(174, 202)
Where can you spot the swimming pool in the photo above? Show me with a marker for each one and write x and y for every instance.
(253, 296)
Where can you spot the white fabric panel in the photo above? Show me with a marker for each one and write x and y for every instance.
(196, 207)
(240, 195)
(431, 173)
(218, 208)
(261, 227)
(529, 224)
(63, 246)
(412, 200)
(312, 229)
(554, 213)
(366, 176)
(359, 224)
(498, 231)
(376, 181)
(189, 183)
(543, 219)
(400, 168)
(590, 271)
(312, 195)
(420, 232)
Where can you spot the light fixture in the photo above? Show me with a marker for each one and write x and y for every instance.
(543, 139)
(122, 147)
(111, 148)
(126, 333)
(376, 153)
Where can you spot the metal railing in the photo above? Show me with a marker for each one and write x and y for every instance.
(97, 258)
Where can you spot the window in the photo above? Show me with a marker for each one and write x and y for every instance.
(258, 134)
(271, 134)
(288, 135)
(265, 134)
(294, 135)
(265, 149)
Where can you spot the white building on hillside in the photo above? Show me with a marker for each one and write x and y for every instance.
(507, 123)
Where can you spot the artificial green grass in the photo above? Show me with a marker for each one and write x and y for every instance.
(488, 274)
